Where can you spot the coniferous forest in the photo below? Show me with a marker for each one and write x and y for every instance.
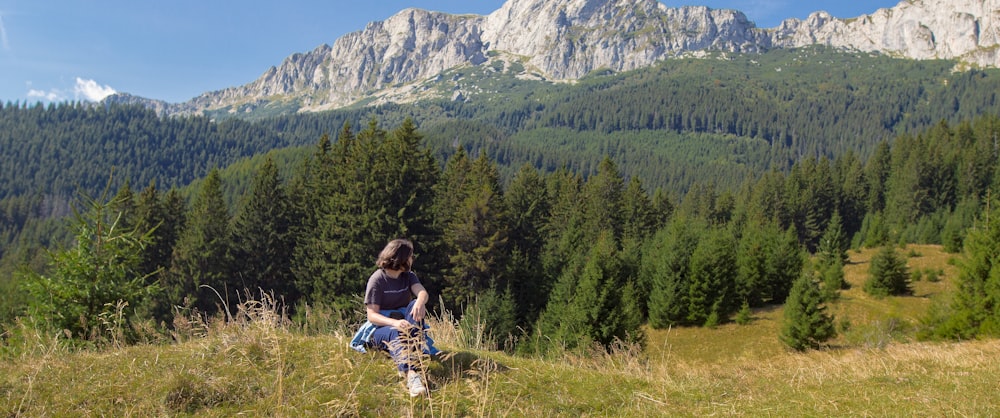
(674, 196)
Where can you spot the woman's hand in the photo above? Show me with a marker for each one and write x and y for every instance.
(418, 311)
(402, 324)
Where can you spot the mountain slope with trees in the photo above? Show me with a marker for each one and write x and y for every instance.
(616, 184)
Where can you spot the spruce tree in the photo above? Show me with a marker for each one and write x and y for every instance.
(592, 304)
(832, 274)
(163, 216)
(490, 321)
(360, 218)
(666, 268)
(768, 201)
(833, 245)
(639, 215)
(476, 237)
(602, 201)
(528, 208)
(877, 175)
(752, 263)
(975, 308)
(663, 206)
(93, 288)
(311, 189)
(831, 256)
(201, 268)
(416, 173)
(849, 178)
(887, 274)
(262, 244)
(377, 187)
(125, 205)
(712, 293)
(785, 262)
(564, 242)
(806, 324)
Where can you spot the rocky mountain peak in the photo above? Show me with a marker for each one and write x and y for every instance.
(968, 30)
(567, 39)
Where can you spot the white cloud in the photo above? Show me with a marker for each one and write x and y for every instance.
(90, 90)
(48, 96)
(84, 89)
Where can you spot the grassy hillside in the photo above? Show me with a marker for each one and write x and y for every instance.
(260, 365)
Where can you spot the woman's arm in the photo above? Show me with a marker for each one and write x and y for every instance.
(375, 317)
(419, 310)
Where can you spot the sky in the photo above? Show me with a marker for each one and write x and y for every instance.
(84, 50)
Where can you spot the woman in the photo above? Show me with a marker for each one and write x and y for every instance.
(392, 310)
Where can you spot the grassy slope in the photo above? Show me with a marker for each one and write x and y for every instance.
(257, 368)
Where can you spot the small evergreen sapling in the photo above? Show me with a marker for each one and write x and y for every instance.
(887, 275)
(806, 324)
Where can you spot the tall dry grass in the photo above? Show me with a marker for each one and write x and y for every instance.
(259, 362)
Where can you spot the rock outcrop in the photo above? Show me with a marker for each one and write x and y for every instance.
(567, 39)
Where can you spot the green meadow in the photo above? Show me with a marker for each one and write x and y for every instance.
(260, 363)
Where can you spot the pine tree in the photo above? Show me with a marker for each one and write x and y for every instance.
(262, 244)
(806, 324)
(712, 294)
(602, 201)
(975, 308)
(564, 242)
(592, 304)
(785, 263)
(312, 186)
(831, 256)
(887, 274)
(94, 286)
(528, 208)
(377, 187)
(201, 268)
(163, 216)
(833, 245)
(476, 237)
(639, 216)
(666, 268)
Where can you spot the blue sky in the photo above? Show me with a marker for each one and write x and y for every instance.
(57, 50)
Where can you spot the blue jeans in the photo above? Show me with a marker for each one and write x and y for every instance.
(387, 338)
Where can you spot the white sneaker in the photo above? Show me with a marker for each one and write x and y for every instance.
(415, 385)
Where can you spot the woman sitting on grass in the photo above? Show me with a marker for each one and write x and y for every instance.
(395, 318)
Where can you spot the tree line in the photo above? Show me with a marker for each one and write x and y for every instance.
(549, 258)
(675, 124)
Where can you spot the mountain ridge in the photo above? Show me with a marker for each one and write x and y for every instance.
(567, 39)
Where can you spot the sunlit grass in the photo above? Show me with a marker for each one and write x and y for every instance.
(261, 365)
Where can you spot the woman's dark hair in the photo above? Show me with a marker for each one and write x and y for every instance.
(396, 255)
